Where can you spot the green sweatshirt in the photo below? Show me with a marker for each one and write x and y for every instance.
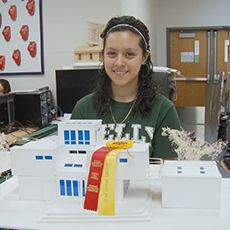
(139, 129)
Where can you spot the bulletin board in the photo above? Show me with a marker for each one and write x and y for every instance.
(21, 43)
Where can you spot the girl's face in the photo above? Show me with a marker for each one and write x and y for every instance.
(123, 58)
(1, 89)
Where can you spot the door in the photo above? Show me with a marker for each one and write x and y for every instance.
(199, 54)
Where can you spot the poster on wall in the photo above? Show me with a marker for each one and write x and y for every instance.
(21, 45)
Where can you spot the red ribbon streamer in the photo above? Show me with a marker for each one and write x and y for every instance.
(94, 178)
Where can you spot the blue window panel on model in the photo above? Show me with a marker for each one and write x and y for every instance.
(66, 137)
(62, 187)
(80, 137)
(68, 188)
(68, 165)
(87, 137)
(48, 157)
(83, 188)
(75, 188)
(39, 157)
(123, 160)
(73, 137)
(77, 165)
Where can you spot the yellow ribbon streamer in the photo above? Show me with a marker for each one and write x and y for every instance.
(107, 191)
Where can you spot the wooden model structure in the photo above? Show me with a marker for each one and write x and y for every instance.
(94, 32)
(92, 51)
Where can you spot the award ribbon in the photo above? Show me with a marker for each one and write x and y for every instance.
(94, 178)
(107, 191)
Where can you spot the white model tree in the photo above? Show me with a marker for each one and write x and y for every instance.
(4, 146)
(189, 149)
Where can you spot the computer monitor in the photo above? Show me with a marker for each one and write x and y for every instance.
(71, 86)
(7, 112)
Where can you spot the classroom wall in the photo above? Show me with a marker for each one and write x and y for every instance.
(65, 28)
(187, 13)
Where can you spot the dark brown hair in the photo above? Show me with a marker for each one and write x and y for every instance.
(6, 85)
(147, 86)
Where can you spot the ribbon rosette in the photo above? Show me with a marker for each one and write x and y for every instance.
(120, 144)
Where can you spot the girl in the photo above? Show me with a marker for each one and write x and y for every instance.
(126, 97)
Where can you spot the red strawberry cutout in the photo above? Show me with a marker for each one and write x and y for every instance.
(17, 56)
(13, 12)
(6, 33)
(2, 62)
(4, 1)
(30, 6)
(24, 31)
(32, 49)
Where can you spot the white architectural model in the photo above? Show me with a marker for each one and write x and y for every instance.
(191, 184)
(49, 169)
(57, 171)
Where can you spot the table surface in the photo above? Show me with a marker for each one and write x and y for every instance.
(21, 214)
(14, 135)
